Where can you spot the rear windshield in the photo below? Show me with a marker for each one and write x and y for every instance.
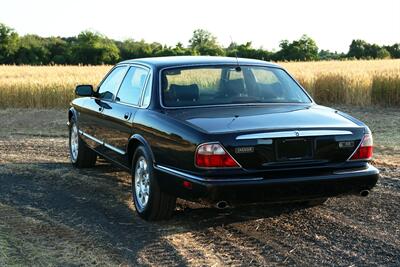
(224, 85)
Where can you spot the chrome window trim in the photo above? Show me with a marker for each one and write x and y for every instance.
(197, 178)
(227, 105)
(286, 134)
(119, 151)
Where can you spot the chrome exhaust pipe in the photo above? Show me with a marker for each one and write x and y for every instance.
(364, 193)
(222, 205)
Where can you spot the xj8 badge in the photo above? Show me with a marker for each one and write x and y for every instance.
(346, 144)
(245, 149)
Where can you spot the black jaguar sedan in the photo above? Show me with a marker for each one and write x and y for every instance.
(223, 130)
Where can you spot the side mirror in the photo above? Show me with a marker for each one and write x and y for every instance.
(84, 90)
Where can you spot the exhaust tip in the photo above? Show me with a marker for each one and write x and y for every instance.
(364, 193)
(222, 205)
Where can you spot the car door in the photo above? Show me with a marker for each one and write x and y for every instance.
(120, 115)
(92, 122)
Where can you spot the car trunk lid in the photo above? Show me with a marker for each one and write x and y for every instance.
(278, 136)
(215, 120)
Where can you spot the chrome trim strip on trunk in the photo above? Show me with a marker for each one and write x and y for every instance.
(300, 133)
(201, 179)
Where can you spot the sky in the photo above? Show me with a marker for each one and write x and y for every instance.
(331, 23)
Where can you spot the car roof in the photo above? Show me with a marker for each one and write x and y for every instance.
(163, 62)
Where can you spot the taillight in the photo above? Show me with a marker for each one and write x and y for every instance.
(365, 149)
(213, 155)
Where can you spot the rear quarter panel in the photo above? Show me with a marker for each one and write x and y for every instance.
(173, 143)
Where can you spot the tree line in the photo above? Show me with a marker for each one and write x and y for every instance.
(92, 48)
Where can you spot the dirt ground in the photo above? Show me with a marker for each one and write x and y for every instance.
(52, 214)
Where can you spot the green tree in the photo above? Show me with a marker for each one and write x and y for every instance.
(357, 49)
(165, 51)
(204, 43)
(137, 49)
(94, 48)
(328, 55)
(360, 49)
(180, 50)
(372, 50)
(303, 49)
(382, 53)
(394, 50)
(9, 41)
(247, 51)
(32, 50)
(59, 49)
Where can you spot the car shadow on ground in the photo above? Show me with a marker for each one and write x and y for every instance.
(96, 203)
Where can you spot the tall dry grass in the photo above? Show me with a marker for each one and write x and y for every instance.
(356, 82)
(360, 83)
(44, 86)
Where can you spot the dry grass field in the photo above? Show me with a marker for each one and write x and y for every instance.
(358, 83)
(44, 86)
(54, 215)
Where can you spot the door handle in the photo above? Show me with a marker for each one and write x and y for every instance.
(127, 116)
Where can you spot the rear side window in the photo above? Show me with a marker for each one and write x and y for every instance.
(132, 86)
(147, 94)
(110, 85)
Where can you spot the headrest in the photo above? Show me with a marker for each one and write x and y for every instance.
(271, 91)
(164, 82)
(235, 87)
(184, 92)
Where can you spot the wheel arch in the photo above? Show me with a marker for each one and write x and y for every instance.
(135, 141)
(72, 113)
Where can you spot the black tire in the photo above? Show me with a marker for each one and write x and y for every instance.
(316, 202)
(159, 205)
(85, 157)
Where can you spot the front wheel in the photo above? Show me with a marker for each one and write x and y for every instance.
(81, 156)
(150, 201)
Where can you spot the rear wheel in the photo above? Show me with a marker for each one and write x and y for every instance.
(81, 156)
(150, 201)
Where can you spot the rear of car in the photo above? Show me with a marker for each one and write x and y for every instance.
(265, 138)
(220, 129)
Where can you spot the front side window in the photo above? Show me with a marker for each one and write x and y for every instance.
(132, 86)
(224, 85)
(110, 85)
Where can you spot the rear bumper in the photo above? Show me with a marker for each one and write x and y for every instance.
(256, 189)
